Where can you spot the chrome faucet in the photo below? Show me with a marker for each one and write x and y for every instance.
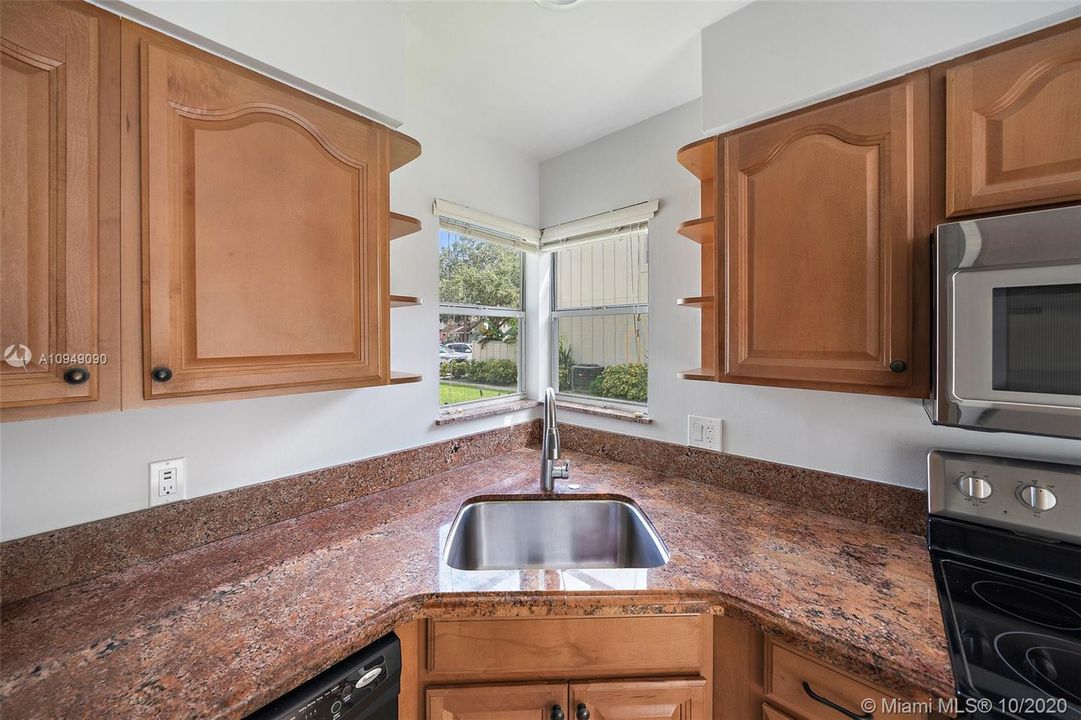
(552, 468)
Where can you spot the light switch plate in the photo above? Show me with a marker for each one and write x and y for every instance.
(168, 481)
(704, 432)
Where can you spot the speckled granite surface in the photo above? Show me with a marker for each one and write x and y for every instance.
(891, 506)
(219, 630)
(54, 559)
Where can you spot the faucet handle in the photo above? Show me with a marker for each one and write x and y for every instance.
(562, 470)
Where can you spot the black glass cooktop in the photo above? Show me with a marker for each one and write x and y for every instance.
(1014, 632)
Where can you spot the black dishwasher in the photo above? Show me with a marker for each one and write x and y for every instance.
(364, 686)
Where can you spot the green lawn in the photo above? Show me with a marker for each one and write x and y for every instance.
(450, 393)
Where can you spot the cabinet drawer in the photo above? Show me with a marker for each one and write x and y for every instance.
(564, 647)
(791, 677)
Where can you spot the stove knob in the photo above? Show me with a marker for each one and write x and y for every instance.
(974, 488)
(1036, 497)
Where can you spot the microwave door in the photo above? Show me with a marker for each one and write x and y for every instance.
(1016, 348)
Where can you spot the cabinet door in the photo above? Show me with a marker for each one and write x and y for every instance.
(639, 700)
(59, 196)
(492, 702)
(827, 211)
(264, 238)
(1014, 125)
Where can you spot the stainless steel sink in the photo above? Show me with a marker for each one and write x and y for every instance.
(559, 532)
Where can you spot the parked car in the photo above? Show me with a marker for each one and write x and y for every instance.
(454, 351)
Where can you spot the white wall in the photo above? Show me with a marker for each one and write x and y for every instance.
(350, 53)
(764, 59)
(55, 473)
(878, 438)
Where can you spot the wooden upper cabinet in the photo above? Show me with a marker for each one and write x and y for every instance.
(678, 699)
(264, 230)
(1014, 124)
(826, 226)
(506, 702)
(59, 134)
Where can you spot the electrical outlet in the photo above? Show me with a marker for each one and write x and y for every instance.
(167, 481)
(704, 432)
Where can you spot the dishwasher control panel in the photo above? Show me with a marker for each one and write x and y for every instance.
(364, 686)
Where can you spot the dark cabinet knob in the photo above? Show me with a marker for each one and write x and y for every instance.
(557, 713)
(76, 376)
(161, 374)
(583, 712)
(898, 366)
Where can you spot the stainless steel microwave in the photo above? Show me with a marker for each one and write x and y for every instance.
(1007, 325)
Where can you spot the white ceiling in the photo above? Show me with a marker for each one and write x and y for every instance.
(546, 81)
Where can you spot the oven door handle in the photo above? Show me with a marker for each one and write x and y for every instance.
(830, 704)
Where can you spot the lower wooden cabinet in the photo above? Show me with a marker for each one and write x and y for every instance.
(583, 668)
(508, 702)
(806, 688)
(646, 667)
(667, 699)
(677, 699)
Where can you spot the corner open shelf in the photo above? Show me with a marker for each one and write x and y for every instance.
(402, 225)
(700, 230)
(697, 374)
(702, 159)
(402, 149)
(401, 378)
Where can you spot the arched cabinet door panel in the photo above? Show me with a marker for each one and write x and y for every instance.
(1014, 125)
(826, 213)
(264, 232)
(59, 135)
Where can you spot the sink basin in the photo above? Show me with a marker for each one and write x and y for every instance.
(560, 532)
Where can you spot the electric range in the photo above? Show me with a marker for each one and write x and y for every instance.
(1005, 540)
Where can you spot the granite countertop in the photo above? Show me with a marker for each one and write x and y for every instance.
(218, 631)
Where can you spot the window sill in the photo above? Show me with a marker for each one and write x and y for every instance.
(634, 416)
(462, 415)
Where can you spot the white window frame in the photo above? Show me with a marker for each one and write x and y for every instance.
(465, 222)
(589, 311)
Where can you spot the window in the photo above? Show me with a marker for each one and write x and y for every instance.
(600, 318)
(480, 315)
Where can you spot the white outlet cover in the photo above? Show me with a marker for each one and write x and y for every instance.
(156, 469)
(704, 432)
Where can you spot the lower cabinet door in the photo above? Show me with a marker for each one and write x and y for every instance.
(505, 702)
(680, 699)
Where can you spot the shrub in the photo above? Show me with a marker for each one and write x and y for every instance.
(566, 362)
(493, 372)
(459, 368)
(622, 382)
